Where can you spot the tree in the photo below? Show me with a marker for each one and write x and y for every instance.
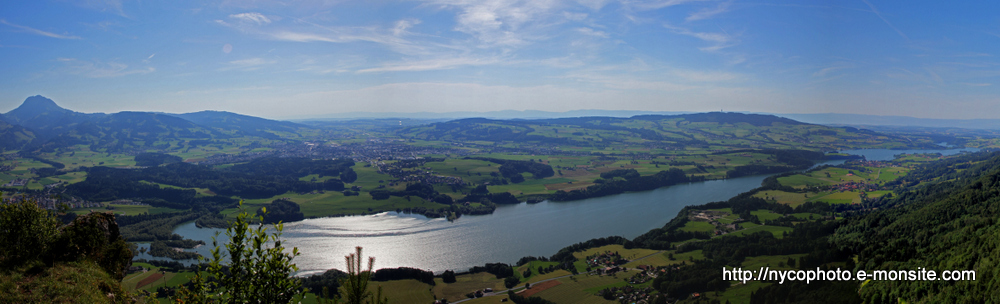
(26, 232)
(511, 281)
(257, 272)
(356, 284)
(348, 176)
(448, 276)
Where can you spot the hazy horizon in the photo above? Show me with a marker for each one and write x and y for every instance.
(290, 60)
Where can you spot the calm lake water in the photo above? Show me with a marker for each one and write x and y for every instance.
(513, 231)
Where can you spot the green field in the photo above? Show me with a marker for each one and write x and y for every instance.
(663, 258)
(583, 288)
(754, 228)
(789, 198)
(127, 209)
(464, 284)
(628, 254)
(404, 291)
(535, 275)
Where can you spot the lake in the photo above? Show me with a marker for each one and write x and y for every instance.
(511, 232)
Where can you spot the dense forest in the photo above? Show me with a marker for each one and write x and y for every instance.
(512, 169)
(631, 183)
(260, 178)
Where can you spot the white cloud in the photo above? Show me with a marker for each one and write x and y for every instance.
(257, 18)
(709, 12)
(432, 64)
(249, 64)
(701, 76)
(879, 14)
(827, 70)
(720, 40)
(656, 4)
(403, 25)
(591, 32)
(39, 32)
(504, 23)
(114, 6)
(302, 37)
(575, 16)
(98, 69)
(623, 82)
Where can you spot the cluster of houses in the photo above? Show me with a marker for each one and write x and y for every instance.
(606, 263)
(627, 294)
(219, 159)
(855, 186)
(870, 163)
(712, 217)
(46, 201)
(415, 175)
(17, 182)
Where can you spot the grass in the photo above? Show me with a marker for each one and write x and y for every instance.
(772, 261)
(839, 198)
(129, 209)
(579, 290)
(535, 275)
(788, 198)
(76, 282)
(464, 284)
(765, 215)
(625, 253)
(663, 259)
(754, 228)
(738, 293)
(404, 291)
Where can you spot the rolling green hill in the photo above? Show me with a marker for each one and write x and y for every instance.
(242, 124)
(131, 130)
(14, 137)
(703, 130)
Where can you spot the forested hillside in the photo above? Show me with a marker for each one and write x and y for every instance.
(950, 224)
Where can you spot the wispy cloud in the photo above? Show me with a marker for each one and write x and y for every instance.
(113, 6)
(879, 14)
(830, 69)
(720, 40)
(703, 76)
(501, 23)
(38, 32)
(305, 31)
(591, 32)
(656, 4)
(256, 18)
(99, 69)
(249, 64)
(977, 84)
(432, 64)
(709, 12)
(403, 25)
(621, 82)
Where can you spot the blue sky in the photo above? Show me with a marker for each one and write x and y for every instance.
(296, 59)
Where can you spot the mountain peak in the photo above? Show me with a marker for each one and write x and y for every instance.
(36, 105)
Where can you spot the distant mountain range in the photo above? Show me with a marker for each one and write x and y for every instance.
(39, 123)
(878, 120)
(822, 119)
(681, 131)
